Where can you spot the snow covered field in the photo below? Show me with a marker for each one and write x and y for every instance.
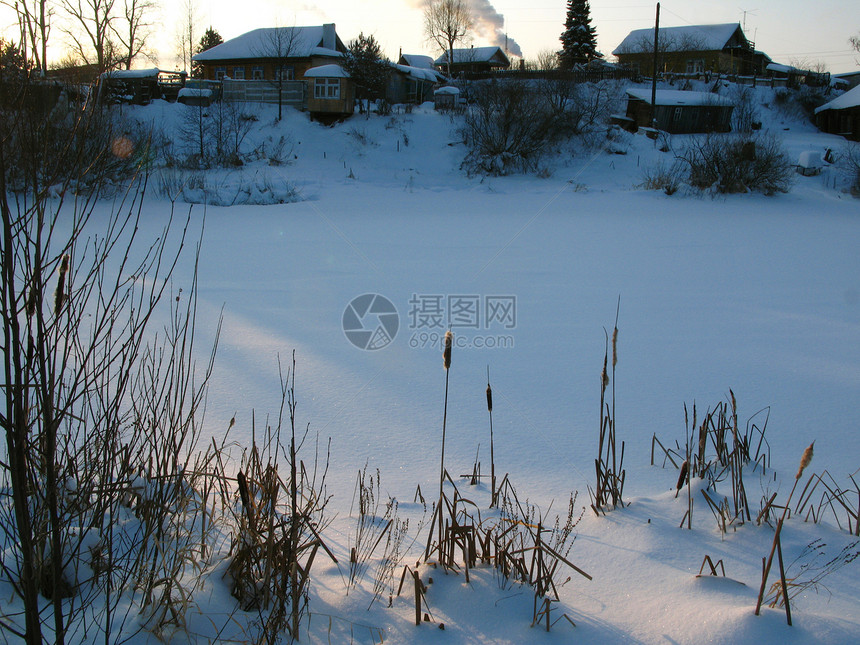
(753, 293)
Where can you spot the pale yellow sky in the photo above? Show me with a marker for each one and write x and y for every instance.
(787, 30)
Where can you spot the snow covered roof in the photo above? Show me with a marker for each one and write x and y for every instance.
(327, 71)
(417, 60)
(679, 97)
(673, 39)
(321, 40)
(419, 73)
(475, 55)
(197, 92)
(132, 73)
(447, 90)
(850, 99)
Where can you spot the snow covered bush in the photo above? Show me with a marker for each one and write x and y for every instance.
(745, 113)
(506, 128)
(739, 164)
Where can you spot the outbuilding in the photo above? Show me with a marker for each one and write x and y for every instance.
(841, 115)
(680, 112)
(331, 92)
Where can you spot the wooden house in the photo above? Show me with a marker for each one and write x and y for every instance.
(692, 49)
(680, 112)
(331, 92)
(841, 115)
(474, 59)
(272, 54)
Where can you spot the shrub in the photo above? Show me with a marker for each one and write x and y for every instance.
(739, 164)
(506, 128)
(663, 177)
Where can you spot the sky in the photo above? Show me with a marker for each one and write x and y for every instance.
(787, 30)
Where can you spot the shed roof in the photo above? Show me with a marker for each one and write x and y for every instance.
(127, 74)
(679, 97)
(260, 43)
(419, 73)
(850, 99)
(417, 60)
(475, 55)
(686, 38)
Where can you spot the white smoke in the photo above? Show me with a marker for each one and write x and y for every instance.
(489, 24)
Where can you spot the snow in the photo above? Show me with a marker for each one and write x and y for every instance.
(259, 43)
(132, 73)
(420, 73)
(679, 97)
(850, 99)
(195, 92)
(474, 54)
(705, 37)
(448, 89)
(327, 71)
(418, 60)
(758, 294)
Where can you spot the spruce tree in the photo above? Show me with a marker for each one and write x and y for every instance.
(368, 67)
(210, 38)
(579, 38)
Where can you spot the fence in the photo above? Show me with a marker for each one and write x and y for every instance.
(293, 93)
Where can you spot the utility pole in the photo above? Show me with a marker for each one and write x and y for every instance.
(654, 75)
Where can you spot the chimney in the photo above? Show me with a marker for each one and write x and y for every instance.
(329, 37)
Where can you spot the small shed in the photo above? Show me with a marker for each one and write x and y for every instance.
(680, 112)
(408, 84)
(841, 115)
(330, 91)
(195, 96)
(446, 98)
(138, 86)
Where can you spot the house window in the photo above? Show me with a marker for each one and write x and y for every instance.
(257, 73)
(327, 88)
(220, 73)
(288, 73)
(239, 73)
(696, 66)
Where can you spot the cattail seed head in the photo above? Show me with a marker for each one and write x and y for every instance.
(60, 293)
(489, 398)
(804, 461)
(243, 488)
(615, 347)
(446, 353)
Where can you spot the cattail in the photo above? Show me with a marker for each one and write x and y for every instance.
(243, 488)
(60, 293)
(804, 461)
(446, 354)
(615, 347)
(683, 476)
(489, 398)
(604, 378)
(32, 300)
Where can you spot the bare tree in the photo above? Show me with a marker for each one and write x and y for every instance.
(91, 31)
(34, 24)
(278, 44)
(186, 36)
(446, 22)
(133, 28)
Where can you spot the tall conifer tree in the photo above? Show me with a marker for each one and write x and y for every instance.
(579, 38)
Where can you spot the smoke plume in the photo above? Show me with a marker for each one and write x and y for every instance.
(489, 24)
